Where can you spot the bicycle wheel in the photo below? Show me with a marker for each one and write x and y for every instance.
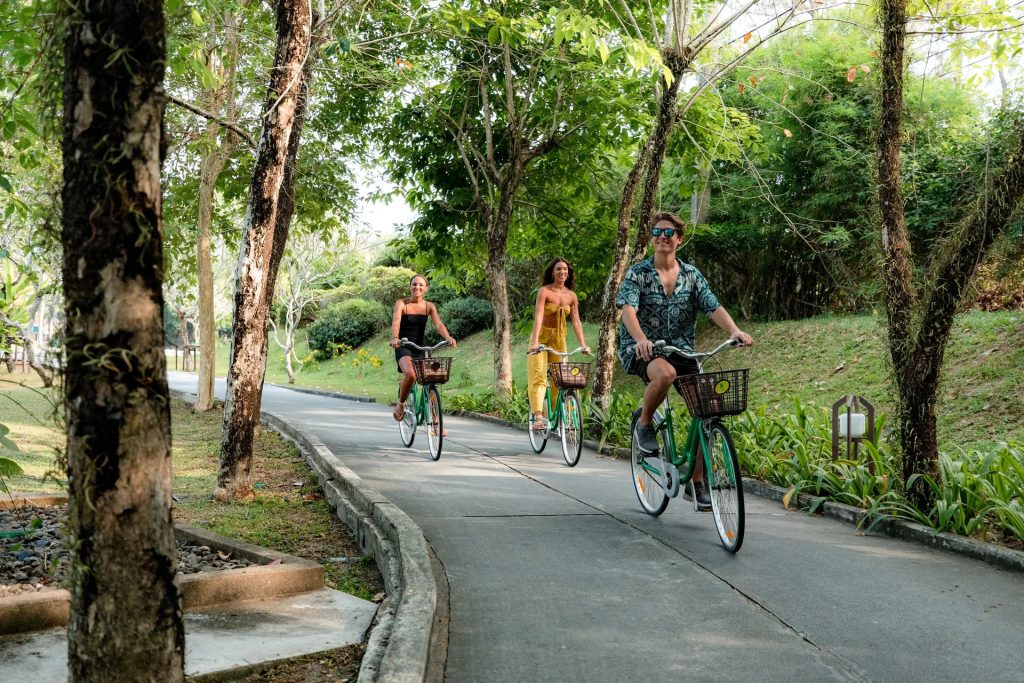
(725, 486)
(570, 429)
(647, 484)
(538, 439)
(407, 425)
(435, 424)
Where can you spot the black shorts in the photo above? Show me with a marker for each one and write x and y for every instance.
(683, 366)
(403, 351)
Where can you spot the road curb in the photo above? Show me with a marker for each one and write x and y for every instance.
(399, 642)
(1004, 558)
(324, 392)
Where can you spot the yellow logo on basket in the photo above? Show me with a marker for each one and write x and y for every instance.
(722, 387)
(574, 371)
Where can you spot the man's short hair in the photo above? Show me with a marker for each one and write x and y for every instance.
(671, 218)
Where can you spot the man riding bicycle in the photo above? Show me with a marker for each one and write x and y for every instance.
(659, 299)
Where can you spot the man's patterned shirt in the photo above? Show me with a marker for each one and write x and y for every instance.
(672, 318)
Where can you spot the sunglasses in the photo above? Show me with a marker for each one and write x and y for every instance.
(663, 232)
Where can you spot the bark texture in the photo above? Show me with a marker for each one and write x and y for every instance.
(920, 318)
(126, 622)
(268, 217)
(647, 167)
(497, 278)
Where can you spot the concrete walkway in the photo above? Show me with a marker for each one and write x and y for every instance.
(555, 574)
(218, 638)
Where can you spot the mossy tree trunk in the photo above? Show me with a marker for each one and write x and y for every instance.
(126, 622)
(920, 315)
(267, 220)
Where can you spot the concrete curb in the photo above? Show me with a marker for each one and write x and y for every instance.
(19, 500)
(1004, 558)
(324, 392)
(399, 642)
(995, 555)
(291, 575)
(46, 609)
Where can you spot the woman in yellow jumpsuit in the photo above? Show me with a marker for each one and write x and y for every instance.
(556, 302)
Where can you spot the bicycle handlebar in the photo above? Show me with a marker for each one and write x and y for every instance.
(663, 349)
(405, 342)
(541, 347)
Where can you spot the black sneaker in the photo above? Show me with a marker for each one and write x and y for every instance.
(647, 439)
(703, 497)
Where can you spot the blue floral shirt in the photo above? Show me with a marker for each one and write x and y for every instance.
(672, 318)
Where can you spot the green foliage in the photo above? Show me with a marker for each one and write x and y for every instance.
(791, 218)
(386, 284)
(979, 493)
(514, 407)
(467, 316)
(351, 323)
(612, 424)
(8, 467)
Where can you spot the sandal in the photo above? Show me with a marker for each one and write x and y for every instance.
(399, 412)
(539, 425)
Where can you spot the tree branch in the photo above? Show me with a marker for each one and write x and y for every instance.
(234, 127)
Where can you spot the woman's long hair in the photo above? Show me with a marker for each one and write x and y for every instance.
(548, 277)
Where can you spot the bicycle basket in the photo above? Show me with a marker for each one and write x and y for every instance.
(569, 375)
(715, 394)
(432, 370)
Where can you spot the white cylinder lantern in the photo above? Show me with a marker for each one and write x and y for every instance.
(856, 425)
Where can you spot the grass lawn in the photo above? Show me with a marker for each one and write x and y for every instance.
(31, 413)
(815, 361)
(288, 514)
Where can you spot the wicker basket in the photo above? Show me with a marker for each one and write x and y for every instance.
(715, 394)
(432, 370)
(569, 375)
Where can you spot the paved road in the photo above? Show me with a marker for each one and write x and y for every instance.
(556, 575)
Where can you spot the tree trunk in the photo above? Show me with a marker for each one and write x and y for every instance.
(917, 350)
(497, 239)
(647, 166)
(184, 339)
(605, 360)
(268, 217)
(212, 166)
(126, 621)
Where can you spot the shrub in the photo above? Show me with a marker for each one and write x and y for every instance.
(386, 284)
(463, 317)
(351, 322)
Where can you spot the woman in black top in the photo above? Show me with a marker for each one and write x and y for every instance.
(409, 321)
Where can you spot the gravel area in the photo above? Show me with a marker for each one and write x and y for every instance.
(38, 559)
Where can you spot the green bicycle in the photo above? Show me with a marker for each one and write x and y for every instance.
(423, 404)
(563, 412)
(657, 477)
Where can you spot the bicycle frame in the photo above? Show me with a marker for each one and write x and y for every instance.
(688, 455)
(419, 399)
(555, 404)
(695, 432)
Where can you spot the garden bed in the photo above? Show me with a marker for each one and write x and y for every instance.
(212, 569)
